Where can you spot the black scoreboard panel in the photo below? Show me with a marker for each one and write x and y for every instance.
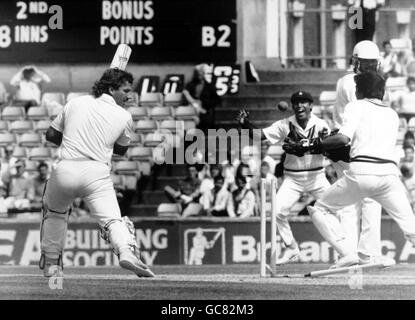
(59, 31)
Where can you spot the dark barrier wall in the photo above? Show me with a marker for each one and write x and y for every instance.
(193, 241)
(157, 30)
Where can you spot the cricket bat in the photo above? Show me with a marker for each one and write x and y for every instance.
(121, 57)
(327, 272)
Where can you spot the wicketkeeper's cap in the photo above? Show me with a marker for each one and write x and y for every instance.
(301, 96)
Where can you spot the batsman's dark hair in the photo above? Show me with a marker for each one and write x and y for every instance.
(112, 78)
(370, 85)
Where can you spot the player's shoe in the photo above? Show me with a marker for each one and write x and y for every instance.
(289, 256)
(129, 261)
(384, 260)
(52, 267)
(346, 261)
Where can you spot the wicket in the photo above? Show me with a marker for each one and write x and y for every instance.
(272, 268)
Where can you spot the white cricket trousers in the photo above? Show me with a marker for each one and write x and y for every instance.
(387, 190)
(361, 221)
(290, 192)
(85, 179)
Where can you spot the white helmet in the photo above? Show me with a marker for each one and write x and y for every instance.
(366, 50)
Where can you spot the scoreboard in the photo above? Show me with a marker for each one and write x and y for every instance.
(66, 31)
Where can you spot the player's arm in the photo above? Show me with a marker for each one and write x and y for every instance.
(121, 145)
(119, 149)
(55, 132)
(54, 136)
(243, 120)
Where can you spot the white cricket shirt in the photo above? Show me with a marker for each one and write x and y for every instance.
(345, 93)
(304, 166)
(373, 129)
(91, 126)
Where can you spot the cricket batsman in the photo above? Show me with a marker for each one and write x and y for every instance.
(89, 130)
(371, 129)
(364, 229)
(303, 171)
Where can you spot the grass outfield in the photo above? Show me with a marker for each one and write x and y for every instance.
(212, 282)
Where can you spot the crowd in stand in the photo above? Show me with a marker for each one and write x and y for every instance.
(229, 189)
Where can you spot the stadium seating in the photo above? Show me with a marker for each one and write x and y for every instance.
(145, 168)
(153, 99)
(186, 113)
(12, 113)
(31, 167)
(55, 112)
(21, 126)
(37, 113)
(4, 126)
(161, 113)
(173, 99)
(153, 139)
(395, 84)
(169, 210)
(174, 126)
(138, 113)
(403, 125)
(130, 181)
(40, 154)
(126, 167)
(19, 153)
(30, 139)
(42, 126)
(146, 126)
(48, 97)
(72, 95)
(118, 181)
(399, 44)
(136, 140)
(411, 124)
(140, 153)
(6, 139)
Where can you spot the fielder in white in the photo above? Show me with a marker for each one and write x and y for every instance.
(372, 128)
(362, 221)
(303, 171)
(88, 131)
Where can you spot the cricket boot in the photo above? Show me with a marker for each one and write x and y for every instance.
(346, 261)
(384, 260)
(289, 256)
(130, 261)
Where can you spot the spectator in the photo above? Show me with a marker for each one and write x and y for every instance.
(207, 183)
(405, 104)
(20, 187)
(3, 194)
(79, 209)
(243, 200)
(4, 96)
(216, 201)
(39, 183)
(408, 150)
(403, 65)
(188, 194)
(409, 138)
(369, 8)
(408, 180)
(389, 61)
(28, 83)
(202, 95)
